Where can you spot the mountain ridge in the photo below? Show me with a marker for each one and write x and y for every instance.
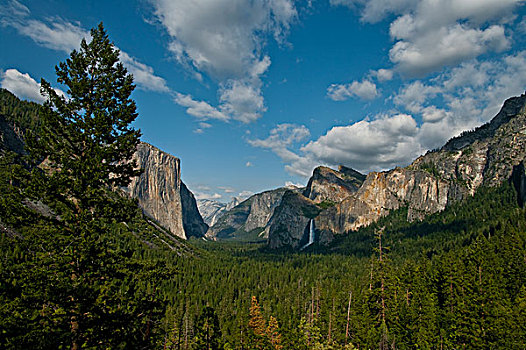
(487, 155)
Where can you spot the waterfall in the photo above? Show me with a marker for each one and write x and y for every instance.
(311, 234)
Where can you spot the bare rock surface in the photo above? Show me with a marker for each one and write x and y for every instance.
(162, 195)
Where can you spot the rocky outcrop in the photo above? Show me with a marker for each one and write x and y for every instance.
(162, 195)
(193, 223)
(420, 191)
(519, 182)
(289, 226)
(11, 138)
(212, 210)
(250, 216)
(334, 186)
(487, 155)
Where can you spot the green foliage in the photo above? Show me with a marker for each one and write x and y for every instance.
(24, 115)
(467, 151)
(430, 168)
(64, 282)
(326, 204)
(207, 334)
(310, 211)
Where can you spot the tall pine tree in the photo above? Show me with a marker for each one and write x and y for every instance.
(85, 145)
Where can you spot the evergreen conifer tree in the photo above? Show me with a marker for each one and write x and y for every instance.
(90, 290)
(208, 333)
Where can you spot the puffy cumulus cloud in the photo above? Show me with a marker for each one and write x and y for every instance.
(378, 144)
(462, 97)
(365, 90)
(431, 34)
(224, 38)
(446, 46)
(469, 94)
(242, 100)
(23, 85)
(413, 95)
(249, 164)
(432, 114)
(383, 74)
(61, 35)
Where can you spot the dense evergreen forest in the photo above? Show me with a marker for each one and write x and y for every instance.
(88, 270)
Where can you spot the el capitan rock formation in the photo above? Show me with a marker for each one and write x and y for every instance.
(162, 195)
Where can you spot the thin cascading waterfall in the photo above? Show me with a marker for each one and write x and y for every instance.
(311, 234)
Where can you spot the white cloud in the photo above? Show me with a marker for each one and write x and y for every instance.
(383, 74)
(368, 145)
(58, 35)
(433, 114)
(204, 188)
(222, 37)
(242, 100)
(143, 75)
(210, 196)
(422, 54)
(199, 109)
(365, 90)
(225, 38)
(202, 127)
(375, 10)
(470, 94)
(23, 85)
(249, 164)
(281, 138)
(12, 9)
(61, 35)
(431, 34)
(413, 95)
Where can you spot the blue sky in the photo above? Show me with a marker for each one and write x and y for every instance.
(252, 95)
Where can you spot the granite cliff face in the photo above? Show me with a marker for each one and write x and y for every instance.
(289, 225)
(250, 216)
(487, 155)
(162, 195)
(212, 210)
(330, 185)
